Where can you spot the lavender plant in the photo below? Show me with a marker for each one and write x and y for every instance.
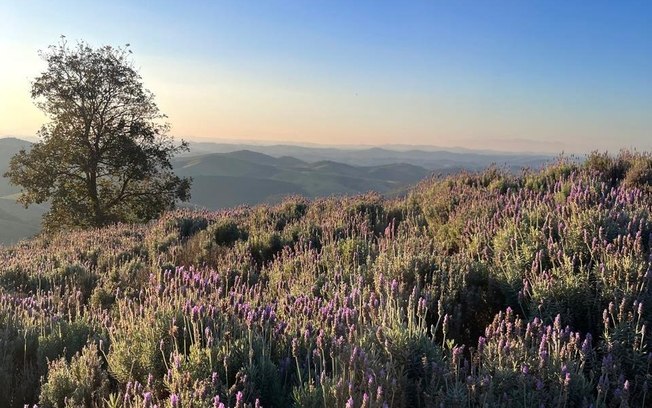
(487, 289)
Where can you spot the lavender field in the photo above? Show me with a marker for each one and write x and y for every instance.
(484, 289)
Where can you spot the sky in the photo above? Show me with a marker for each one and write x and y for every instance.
(539, 76)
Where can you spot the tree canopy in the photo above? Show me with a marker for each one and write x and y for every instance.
(105, 154)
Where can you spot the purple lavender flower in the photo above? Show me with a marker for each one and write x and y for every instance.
(482, 341)
(147, 398)
(379, 393)
(394, 286)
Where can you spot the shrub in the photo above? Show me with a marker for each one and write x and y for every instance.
(265, 245)
(189, 226)
(288, 212)
(227, 232)
(64, 341)
(640, 173)
(610, 169)
(483, 289)
(135, 348)
(76, 275)
(80, 383)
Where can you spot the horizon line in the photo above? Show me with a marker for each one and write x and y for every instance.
(399, 147)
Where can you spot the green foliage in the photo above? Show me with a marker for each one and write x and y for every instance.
(546, 178)
(135, 349)
(191, 225)
(19, 375)
(640, 173)
(353, 251)
(101, 298)
(63, 341)
(265, 245)
(80, 383)
(75, 275)
(290, 211)
(17, 279)
(611, 169)
(227, 232)
(104, 157)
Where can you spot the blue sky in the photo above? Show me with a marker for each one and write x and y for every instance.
(543, 76)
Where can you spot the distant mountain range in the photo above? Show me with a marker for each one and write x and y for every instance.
(248, 177)
(226, 175)
(16, 222)
(429, 158)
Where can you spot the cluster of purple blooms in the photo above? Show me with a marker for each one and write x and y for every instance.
(478, 290)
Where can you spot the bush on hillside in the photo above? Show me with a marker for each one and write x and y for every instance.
(478, 289)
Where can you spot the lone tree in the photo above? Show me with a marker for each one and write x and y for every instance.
(104, 157)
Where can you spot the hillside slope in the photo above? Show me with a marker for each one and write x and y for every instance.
(16, 222)
(480, 289)
(9, 146)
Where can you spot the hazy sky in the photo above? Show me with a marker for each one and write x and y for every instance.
(521, 75)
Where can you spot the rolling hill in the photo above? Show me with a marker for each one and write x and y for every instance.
(16, 222)
(216, 192)
(9, 146)
(248, 177)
